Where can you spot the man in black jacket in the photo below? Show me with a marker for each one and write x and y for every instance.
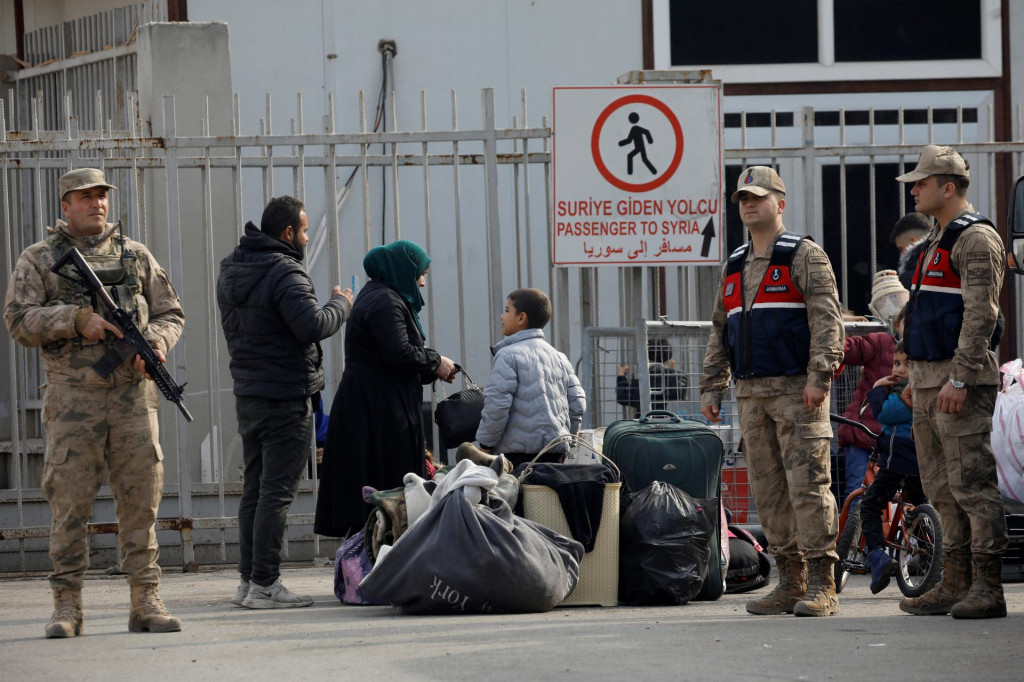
(273, 326)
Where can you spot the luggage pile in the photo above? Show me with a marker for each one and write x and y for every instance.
(640, 522)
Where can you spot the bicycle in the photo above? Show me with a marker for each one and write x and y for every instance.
(913, 534)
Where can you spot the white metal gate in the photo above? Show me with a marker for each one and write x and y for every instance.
(187, 196)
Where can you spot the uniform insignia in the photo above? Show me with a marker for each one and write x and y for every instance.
(776, 274)
(979, 275)
(821, 283)
(728, 289)
(937, 259)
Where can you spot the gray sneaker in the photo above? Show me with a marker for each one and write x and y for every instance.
(275, 596)
(241, 593)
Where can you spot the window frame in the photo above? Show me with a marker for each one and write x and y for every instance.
(827, 69)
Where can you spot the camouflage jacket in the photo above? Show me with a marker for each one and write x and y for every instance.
(978, 257)
(812, 274)
(35, 315)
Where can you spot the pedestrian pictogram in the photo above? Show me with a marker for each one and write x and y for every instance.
(637, 175)
(607, 143)
(637, 136)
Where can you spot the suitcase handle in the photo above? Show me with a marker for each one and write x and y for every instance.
(661, 413)
(572, 439)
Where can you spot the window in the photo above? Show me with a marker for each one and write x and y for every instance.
(882, 30)
(829, 40)
(791, 25)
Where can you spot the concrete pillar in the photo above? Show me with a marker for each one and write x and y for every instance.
(191, 62)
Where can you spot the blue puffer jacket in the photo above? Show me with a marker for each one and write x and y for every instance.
(533, 395)
(896, 449)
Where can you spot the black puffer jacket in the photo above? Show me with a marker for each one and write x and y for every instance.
(271, 319)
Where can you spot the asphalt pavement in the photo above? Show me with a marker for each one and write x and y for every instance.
(870, 640)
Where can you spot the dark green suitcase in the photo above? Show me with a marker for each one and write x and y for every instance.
(661, 446)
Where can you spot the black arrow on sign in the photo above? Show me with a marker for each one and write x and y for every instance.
(708, 234)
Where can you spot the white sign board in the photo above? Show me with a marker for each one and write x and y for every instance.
(637, 175)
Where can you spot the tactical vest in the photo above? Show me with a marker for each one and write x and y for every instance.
(935, 311)
(118, 272)
(772, 338)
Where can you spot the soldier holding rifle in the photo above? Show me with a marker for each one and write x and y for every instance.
(94, 422)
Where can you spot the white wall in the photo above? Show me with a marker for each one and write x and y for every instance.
(8, 37)
(463, 45)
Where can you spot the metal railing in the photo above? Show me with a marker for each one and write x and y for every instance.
(620, 384)
(183, 228)
(479, 196)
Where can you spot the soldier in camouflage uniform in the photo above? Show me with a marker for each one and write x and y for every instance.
(950, 319)
(95, 424)
(778, 331)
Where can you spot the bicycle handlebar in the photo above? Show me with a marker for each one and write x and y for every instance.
(849, 422)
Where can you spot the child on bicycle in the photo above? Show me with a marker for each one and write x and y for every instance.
(892, 402)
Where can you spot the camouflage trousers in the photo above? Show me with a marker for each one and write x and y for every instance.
(788, 462)
(88, 431)
(958, 470)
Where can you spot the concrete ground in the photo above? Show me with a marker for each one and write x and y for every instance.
(870, 640)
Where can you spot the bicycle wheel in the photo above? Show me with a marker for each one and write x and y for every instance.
(849, 550)
(920, 551)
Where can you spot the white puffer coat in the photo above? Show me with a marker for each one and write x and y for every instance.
(533, 395)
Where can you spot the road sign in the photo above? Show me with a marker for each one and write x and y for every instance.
(637, 175)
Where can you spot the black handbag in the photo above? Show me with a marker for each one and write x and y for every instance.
(458, 415)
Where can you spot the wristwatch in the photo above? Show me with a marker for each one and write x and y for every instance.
(957, 384)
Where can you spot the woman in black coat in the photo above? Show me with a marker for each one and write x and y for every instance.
(375, 435)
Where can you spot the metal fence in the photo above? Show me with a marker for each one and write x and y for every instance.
(480, 166)
(186, 197)
(623, 382)
(184, 228)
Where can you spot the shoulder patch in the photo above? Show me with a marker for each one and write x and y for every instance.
(979, 269)
(822, 283)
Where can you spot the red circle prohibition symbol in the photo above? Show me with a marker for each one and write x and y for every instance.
(595, 137)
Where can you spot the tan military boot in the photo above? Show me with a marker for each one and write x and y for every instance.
(792, 584)
(985, 598)
(148, 611)
(821, 599)
(956, 577)
(66, 620)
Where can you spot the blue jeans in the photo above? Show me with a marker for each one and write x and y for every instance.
(856, 465)
(277, 437)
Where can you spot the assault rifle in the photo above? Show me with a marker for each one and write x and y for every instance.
(133, 343)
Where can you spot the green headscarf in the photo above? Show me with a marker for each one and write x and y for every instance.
(399, 265)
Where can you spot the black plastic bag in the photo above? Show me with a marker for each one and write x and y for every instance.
(665, 545)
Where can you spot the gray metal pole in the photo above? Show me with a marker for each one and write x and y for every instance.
(494, 280)
(188, 552)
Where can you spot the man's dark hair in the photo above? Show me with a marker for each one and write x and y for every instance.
(915, 222)
(659, 350)
(535, 304)
(280, 213)
(959, 181)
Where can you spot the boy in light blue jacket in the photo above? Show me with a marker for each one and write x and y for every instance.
(533, 394)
